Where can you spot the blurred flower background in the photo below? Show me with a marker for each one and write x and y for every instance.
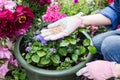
(28, 17)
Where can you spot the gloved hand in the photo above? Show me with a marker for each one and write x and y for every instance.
(61, 28)
(98, 70)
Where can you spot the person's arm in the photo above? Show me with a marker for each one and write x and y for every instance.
(108, 16)
(96, 19)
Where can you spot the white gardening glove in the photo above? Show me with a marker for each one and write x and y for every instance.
(62, 28)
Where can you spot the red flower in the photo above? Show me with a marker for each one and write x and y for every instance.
(6, 25)
(23, 19)
(15, 24)
(43, 2)
(110, 1)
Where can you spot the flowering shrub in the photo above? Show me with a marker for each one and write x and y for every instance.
(15, 23)
(15, 20)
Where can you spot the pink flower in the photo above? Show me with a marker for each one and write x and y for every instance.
(110, 1)
(4, 69)
(1, 4)
(53, 8)
(23, 19)
(93, 28)
(7, 4)
(5, 53)
(14, 62)
(53, 14)
(75, 1)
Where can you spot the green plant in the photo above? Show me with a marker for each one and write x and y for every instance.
(60, 54)
(16, 74)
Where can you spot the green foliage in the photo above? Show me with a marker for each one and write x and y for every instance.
(92, 49)
(35, 58)
(86, 42)
(62, 51)
(66, 64)
(44, 61)
(68, 52)
(75, 57)
(17, 74)
(82, 49)
(41, 53)
(55, 59)
(87, 7)
(36, 9)
(112, 78)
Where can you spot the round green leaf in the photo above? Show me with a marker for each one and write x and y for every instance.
(83, 58)
(62, 51)
(44, 61)
(77, 52)
(75, 57)
(34, 49)
(64, 43)
(70, 50)
(82, 49)
(41, 53)
(92, 49)
(29, 60)
(55, 59)
(73, 41)
(86, 42)
(28, 55)
(35, 58)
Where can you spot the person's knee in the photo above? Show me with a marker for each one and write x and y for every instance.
(110, 47)
(110, 43)
(98, 39)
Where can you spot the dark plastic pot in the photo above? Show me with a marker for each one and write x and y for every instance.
(35, 73)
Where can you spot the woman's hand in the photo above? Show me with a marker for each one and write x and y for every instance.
(61, 28)
(98, 70)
